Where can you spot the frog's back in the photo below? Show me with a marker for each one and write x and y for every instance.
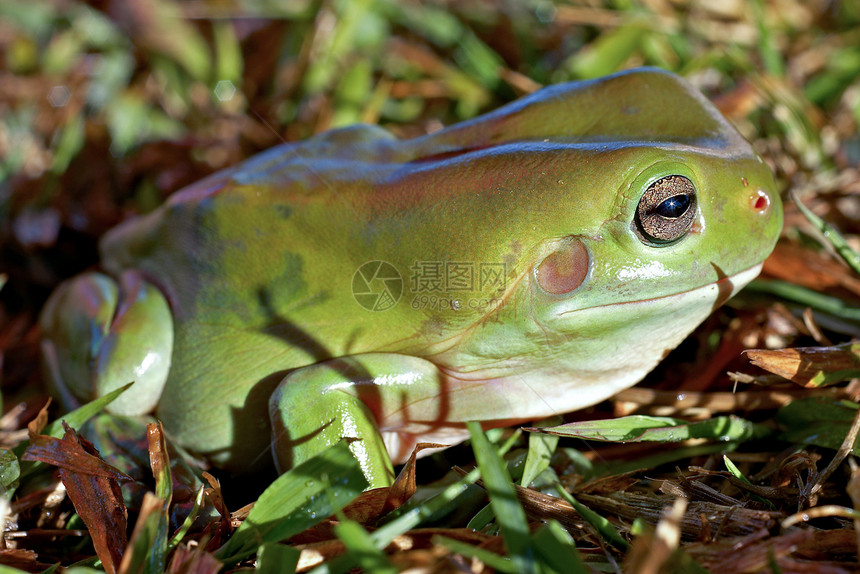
(640, 105)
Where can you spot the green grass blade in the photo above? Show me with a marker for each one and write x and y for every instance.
(642, 428)
(503, 499)
(736, 472)
(189, 520)
(413, 517)
(610, 467)
(297, 500)
(482, 518)
(228, 52)
(360, 544)
(607, 54)
(147, 550)
(491, 559)
(388, 532)
(819, 421)
(10, 471)
(82, 414)
(832, 235)
(767, 47)
(806, 297)
(557, 550)
(277, 559)
(541, 449)
(603, 526)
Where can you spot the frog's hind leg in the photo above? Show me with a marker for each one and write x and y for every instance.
(100, 334)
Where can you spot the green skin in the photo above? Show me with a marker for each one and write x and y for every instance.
(233, 305)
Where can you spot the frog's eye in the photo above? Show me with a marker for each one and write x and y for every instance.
(666, 211)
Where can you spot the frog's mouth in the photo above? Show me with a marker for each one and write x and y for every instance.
(728, 287)
(716, 293)
(720, 291)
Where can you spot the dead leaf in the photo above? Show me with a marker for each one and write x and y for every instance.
(158, 458)
(22, 559)
(36, 425)
(225, 525)
(811, 367)
(650, 553)
(404, 485)
(187, 560)
(810, 268)
(93, 488)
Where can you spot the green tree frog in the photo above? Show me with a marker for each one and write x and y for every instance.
(528, 262)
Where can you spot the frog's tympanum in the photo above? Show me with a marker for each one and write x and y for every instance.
(529, 262)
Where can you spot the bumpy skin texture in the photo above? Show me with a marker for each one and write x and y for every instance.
(257, 264)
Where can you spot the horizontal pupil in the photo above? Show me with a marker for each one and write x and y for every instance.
(673, 207)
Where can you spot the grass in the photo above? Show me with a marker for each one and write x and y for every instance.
(108, 108)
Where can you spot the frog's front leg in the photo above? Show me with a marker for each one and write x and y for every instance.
(362, 396)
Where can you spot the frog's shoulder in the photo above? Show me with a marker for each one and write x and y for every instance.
(265, 186)
(355, 153)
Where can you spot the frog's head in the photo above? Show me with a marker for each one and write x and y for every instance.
(686, 233)
(665, 221)
(686, 229)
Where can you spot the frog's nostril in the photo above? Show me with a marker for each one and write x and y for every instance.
(760, 201)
